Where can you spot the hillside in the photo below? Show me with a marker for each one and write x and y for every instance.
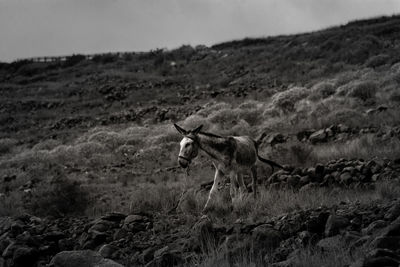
(89, 142)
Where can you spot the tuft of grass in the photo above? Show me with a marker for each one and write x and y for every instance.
(62, 197)
(388, 190)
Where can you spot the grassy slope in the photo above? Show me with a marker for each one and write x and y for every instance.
(107, 121)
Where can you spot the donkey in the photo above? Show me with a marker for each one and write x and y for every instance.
(231, 156)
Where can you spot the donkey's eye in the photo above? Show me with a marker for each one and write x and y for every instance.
(187, 145)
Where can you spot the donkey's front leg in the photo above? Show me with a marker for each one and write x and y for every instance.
(234, 190)
(214, 189)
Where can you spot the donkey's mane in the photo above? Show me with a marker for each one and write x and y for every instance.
(211, 135)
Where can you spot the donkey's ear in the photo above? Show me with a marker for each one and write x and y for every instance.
(180, 130)
(197, 130)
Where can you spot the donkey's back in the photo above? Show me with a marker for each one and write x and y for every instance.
(245, 151)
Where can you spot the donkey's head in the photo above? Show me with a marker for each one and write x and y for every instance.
(189, 145)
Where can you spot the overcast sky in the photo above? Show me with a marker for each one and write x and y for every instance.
(61, 27)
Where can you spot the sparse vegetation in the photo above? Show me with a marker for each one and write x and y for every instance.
(89, 137)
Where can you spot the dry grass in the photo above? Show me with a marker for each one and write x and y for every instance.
(364, 147)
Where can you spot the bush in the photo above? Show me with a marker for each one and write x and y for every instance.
(73, 60)
(378, 60)
(106, 58)
(7, 144)
(322, 90)
(60, 198)
(363, 90)
(287, 100)
(46, 145)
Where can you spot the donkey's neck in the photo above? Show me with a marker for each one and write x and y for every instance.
(216, 147)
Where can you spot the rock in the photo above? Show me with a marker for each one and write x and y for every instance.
(380, 262)
(265, 238)
(293, 180)
(383, 253)
(372, 227)
(388, 242)
(319, 136)
(53, 236)
(9, 250)
(304, 180)
(393, 229)
(304, 135)
(95, 239)
(316, 222)
(276, 138)
(120, 233)
(334, 224)
(308, 187)
(393, 212)
(165, 257)
(343, 128)
(345, 178)
(136, 223)
(81, 258)
(320, 170)
(114, 217)
(101, 226)
(66, 244)
(25, 257)
(108, 250)
(330, 243)
(147, 255)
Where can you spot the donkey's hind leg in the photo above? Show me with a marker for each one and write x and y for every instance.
(254, 182)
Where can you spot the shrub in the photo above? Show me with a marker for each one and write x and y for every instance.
(46, 145)
(105, 58)
(109, 139)
(322, 90)
(286, 100)
(60, 198)
(363, 90)
(7, 144)
(194, 121)
(73, 60)
(223, 117)
(378, 60)
(212, 107)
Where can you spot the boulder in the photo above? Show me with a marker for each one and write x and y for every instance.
(334, 224)
(393, 212)
(136, 223)
(81, 258)
(107, 250)
(330, 243)
(372, 227)
(265, 238)
(319, 136)
(25, 257)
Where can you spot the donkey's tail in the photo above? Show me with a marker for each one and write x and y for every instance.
(259, 139)
(270, 162)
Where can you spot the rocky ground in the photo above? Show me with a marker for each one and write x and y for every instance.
(152, 239)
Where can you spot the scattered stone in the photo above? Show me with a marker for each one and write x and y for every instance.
(319, 136)
(334, 224)
(81, 258)
(25, 257)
